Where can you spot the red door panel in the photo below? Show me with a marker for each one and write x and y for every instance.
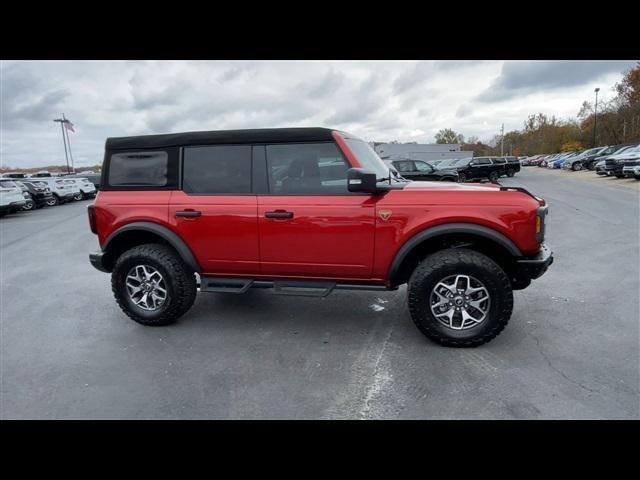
(224, 238)
(327, 236)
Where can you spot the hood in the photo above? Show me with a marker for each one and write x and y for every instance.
(459, 187)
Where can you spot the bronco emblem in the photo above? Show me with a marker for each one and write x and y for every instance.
(385, 214)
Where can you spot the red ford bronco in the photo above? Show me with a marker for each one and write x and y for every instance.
(306, 211)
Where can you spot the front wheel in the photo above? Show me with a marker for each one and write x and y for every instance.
(153, 285)
(462, 177)
(576, 166)
(77, 197)
(493, 176)
(52, 201)
(510, 173)
(460, 298)
(29, 205)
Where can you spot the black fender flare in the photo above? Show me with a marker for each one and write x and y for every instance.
(169, 236)
(450, 228)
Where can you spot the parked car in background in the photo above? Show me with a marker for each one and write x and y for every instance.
(523, 161)
(11, 197)
(478, 168)
(615, 163)
(39, 191)
(590, 163)
(632, 171)
(549, 158)
(512, 167)
(29, 203)
(576, 162)
(600, 168)
(62, 192)
(420, 170)
(94, 178)
(557, 162)
(535, 160)
(86, 187)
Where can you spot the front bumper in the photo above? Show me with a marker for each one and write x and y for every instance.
(536, 265)
(13, 206)
(98, 261)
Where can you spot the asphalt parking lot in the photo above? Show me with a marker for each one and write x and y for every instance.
(571, 350)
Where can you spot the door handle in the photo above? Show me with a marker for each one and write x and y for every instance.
(282, 214)
(188, 213)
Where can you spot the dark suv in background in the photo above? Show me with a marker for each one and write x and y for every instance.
(479, 168)
(421, 170)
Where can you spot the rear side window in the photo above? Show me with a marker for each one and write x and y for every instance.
(310, 168)
(139, 169)
(220, 169)
(499, 160)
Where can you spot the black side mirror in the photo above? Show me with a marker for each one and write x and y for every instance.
(361, 180)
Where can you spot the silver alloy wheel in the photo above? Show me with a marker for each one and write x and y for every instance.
(30, 205)
(460, 302)
(146, 287)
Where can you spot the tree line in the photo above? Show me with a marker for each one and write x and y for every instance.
(618, 121)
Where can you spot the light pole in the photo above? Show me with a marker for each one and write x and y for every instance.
(66, 155)
(595, 117)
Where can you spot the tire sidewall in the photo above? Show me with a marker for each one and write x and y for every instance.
(423, 285)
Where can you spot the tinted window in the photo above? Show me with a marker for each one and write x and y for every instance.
(499, 160)
(482, 161)
(423, 167)
(403, 166)
(143, 169)
(217, 169)
(311, 168)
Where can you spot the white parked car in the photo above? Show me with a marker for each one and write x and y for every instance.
(86, 186)
(62, 192)
(12, 198)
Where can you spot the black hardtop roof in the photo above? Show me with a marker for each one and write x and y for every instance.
(261, 135)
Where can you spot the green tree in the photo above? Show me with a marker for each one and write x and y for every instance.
(446, 135)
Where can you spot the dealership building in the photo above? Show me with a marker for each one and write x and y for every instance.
(418, 151)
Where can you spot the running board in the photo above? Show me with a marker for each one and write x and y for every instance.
(224, 285)
(301, 288)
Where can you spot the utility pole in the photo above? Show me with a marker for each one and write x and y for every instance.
(66, 155)
(502, 141)
(624, 129)
(595, 117)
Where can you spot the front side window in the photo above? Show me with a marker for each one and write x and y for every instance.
(309, 168)
(138, 169)
(482, 161)
(423, 167)
(403, 166)
(219, 169)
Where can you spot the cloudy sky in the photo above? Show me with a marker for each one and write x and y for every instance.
(381, 101)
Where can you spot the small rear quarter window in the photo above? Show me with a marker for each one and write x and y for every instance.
(139, 169)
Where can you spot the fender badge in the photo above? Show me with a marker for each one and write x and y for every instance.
(385, 214)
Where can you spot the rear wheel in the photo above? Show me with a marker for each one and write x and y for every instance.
(576, 166)
(153, 285)
(78, 196)
(29, 205)
(53, 201)
(460, 298)
(510, 173)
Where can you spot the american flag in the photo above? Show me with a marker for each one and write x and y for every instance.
(69, 125)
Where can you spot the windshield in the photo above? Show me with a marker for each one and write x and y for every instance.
(367, 157)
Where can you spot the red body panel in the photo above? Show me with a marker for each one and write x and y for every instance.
(343, 237)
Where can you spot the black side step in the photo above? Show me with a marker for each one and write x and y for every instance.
(225, 285)
(303, 288)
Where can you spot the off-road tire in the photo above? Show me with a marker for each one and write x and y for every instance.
(452, 261)
(179, 278)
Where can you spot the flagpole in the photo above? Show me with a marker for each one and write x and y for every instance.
(66, 155)
(73, 167)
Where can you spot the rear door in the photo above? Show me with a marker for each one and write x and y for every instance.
(215, 212)
(310, 224)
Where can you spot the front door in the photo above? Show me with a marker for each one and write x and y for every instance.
(215, 213)
(310, 224)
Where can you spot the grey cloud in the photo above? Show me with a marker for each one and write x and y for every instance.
(362, 105)
(414, 77)
(326, 85)
(522, 78)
